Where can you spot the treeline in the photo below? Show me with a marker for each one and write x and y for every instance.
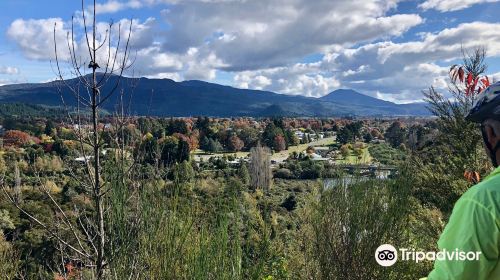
(29, 110)
(233, 135)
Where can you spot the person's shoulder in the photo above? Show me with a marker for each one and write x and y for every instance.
(486, 193)
(489, 185)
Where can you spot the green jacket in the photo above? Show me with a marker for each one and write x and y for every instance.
(474, 225)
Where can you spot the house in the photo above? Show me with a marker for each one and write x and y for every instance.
(299, 134)
(323, 151)
(317, 157)
(83, 159)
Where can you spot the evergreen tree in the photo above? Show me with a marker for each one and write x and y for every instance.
(60, 148)
(395, 134)
(49, 128)
(214, 146)
(169, 150)
(243, 173)
(183, 151)
(270, 133)
(345, 136)
(368, 137)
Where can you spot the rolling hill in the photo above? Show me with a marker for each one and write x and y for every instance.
(164, 97)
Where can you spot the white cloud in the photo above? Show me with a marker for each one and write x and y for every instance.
(261, 41)
(114, 6)
(447, 44)
(35, 38)
(9, 81)
(201, 65)
(167, 75)
(451, 5)
(402, 98)
(395, 71)
(405, 69)
(299, 79)
(495, 77)
(233, 35)
(407, 84)
(8, 70)
(152, 62)
(108, 7)
(253, 81)
(264, 34)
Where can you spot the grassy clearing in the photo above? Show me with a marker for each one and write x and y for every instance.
(200, 154)
(302, 147)
(364, 158)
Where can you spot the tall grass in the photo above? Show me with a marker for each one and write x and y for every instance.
(158, 232)
(351, 220)
(164, 231)
(9, 260)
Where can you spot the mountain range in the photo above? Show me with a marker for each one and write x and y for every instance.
(165, 97)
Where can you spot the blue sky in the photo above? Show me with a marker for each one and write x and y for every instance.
(388, 49)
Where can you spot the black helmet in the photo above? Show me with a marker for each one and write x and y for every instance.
(486, 105)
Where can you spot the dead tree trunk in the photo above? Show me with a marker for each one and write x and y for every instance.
(260, 168)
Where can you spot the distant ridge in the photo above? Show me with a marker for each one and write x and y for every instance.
(165, 97)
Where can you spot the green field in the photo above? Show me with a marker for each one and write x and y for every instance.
(281, 156)
(302, 147)
(353, 159)
(366, 158)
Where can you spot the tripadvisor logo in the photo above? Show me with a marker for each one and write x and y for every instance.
(387, 255)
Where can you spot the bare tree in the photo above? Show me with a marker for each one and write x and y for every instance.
(115, 61)
(17, 183)
(260, 167)
(107, 57)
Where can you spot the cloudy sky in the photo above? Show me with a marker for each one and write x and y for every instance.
(388, 49)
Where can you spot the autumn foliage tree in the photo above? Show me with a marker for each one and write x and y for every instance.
(191, 140)
(472, 80)
(235, 143)
(457, 147)
(16, 138)
(463, 138)
(279, 143)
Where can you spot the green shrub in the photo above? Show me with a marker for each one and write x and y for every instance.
(283, 173)
(351, 221)
(385, 154)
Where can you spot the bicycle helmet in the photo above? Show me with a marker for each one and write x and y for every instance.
(486, 105)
